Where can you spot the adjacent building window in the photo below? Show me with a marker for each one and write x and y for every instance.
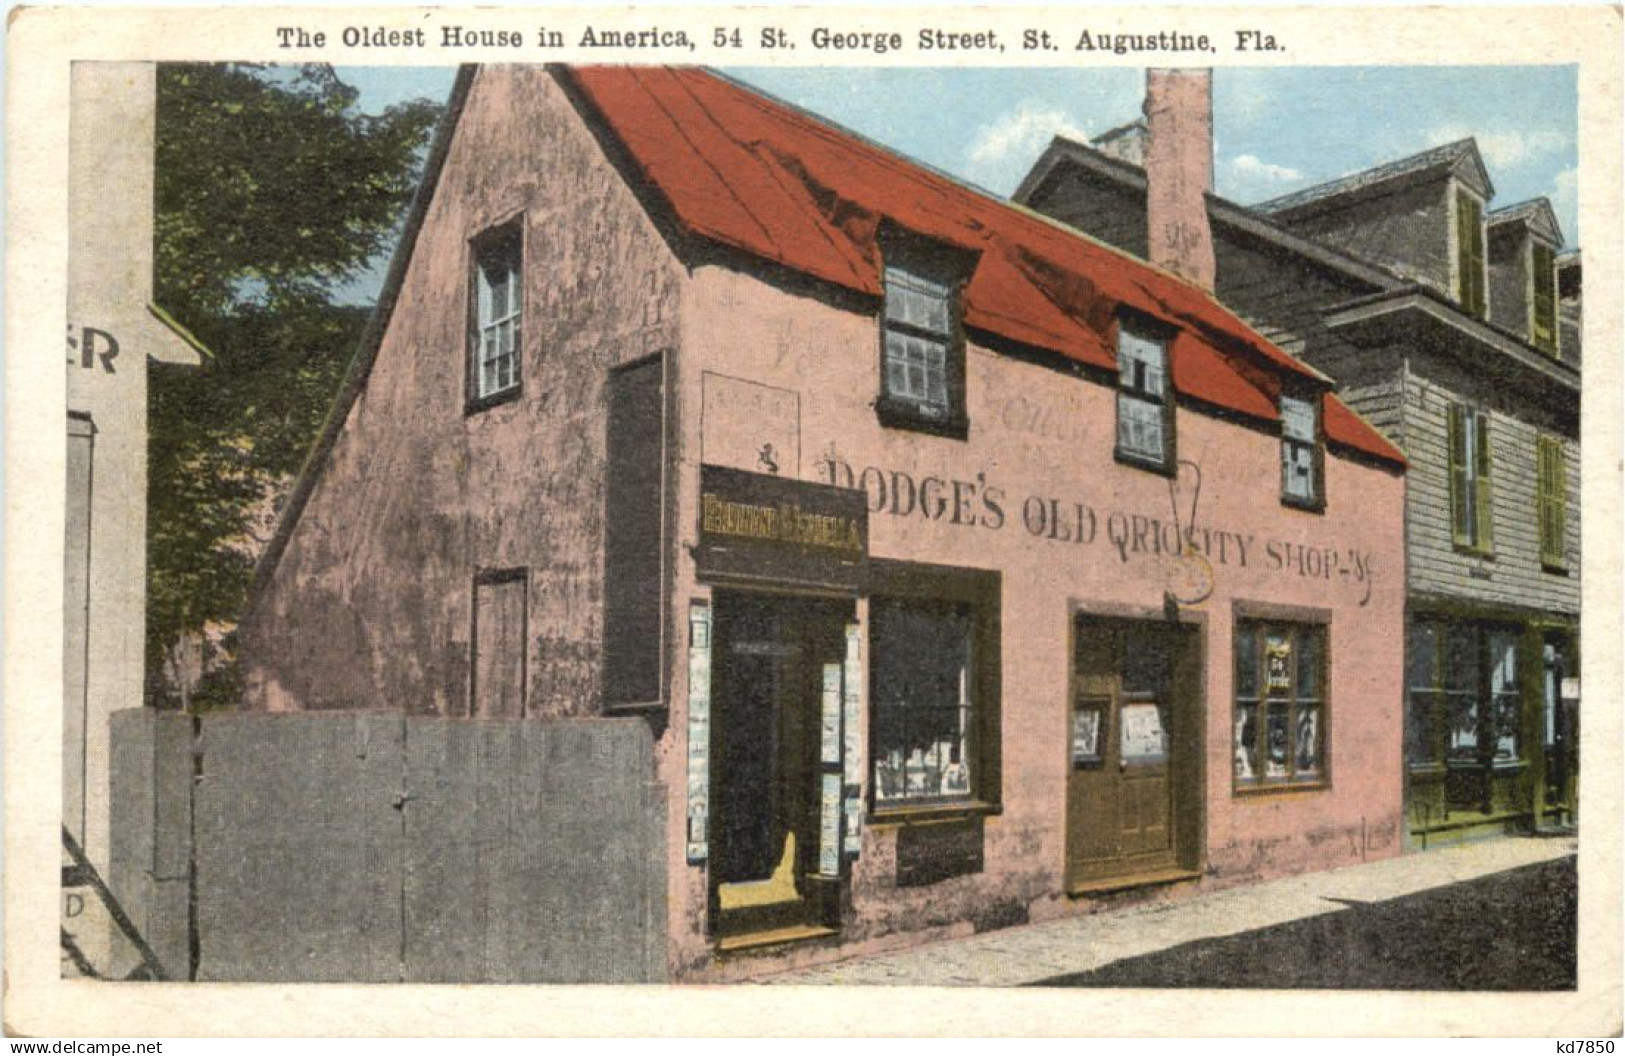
(1463, 689)
(498, 680)
(1543, 298)
(1552, 501)
(1145, 404)
(496, 303)
(1471, 496)
(1280, 713)
(924, 702)
(1300, 452)
(1470, 277)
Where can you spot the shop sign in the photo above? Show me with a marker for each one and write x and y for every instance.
(772, 529)
(699, 729)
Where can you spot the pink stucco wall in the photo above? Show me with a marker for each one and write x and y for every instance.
(1040, 432)
(369, 605)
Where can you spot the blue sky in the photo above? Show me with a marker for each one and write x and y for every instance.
(1276, 130)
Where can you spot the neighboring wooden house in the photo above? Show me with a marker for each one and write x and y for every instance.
(1455, 330)
(967, 570)
(114, 337)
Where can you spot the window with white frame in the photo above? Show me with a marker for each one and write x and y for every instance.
(1300, 451)
(919, 335)
(496, 309)
(1144, 399)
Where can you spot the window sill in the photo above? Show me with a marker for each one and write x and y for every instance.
(899, 414)
(1554, 569)
(1507, 766)
(926, 813)
(1316, 505)
(1167, 467)
(1280, 788)
(476, 404)
(1470, 550)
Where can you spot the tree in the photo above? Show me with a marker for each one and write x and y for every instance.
(272, 192)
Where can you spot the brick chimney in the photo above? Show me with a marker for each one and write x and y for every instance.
(1179, 171)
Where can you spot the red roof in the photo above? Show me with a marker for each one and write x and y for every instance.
(762, 177)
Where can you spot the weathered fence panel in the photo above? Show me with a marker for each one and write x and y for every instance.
(371, 847)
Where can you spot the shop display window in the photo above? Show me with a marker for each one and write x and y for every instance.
(923, 706)
(1465, 702)
(1280, 707)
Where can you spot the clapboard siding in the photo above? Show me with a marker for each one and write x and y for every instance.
(1513, 576)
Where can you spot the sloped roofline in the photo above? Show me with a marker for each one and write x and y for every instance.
(1385, 179)
(1223, 210)
(366, 353)
(1537, 213)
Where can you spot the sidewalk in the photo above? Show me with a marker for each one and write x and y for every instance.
(1038, 952)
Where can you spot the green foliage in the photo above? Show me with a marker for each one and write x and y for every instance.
(272, 192)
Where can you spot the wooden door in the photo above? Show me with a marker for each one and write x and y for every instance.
(1120, 791)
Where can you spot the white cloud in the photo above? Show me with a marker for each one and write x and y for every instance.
(1503, 149)
(1022, 134)
(1251, 168)
(1001, 151)
(1565, 196)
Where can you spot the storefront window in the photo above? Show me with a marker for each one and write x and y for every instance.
(1463, 681)
(1280, 704)
(923, 703)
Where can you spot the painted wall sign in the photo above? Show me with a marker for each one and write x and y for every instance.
(699, 728)
(766, 528)
(975, 503)
(92, 349)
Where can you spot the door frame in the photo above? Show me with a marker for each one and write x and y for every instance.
(824, 907)
(1188, 741)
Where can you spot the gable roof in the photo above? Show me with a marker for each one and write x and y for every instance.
(764, 178)
(760, 176)
(1460, 157)
(1537, 214)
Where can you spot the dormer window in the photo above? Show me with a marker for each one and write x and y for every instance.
(1301, 460)
(1145, 403)
(922, 353)
(1470, 277)
(918, 332)
(1543, 298)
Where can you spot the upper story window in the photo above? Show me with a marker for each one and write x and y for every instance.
(1543, 298)
(496, 305)
(1301, 460)
(1145, 403)
(922, 348)
(1470, 276)
(1471, 497)
(1551, 501)
(919, 329)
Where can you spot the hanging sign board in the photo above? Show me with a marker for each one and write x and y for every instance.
(699, 728)
(761, 528)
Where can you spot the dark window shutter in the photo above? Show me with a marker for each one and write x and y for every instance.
(1483, 492)
(1458, 476)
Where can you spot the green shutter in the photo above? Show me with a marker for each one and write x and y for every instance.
(1470, 253)
(1458, 475)
(1552, 500)
(1543, 303)
(1483, 493)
